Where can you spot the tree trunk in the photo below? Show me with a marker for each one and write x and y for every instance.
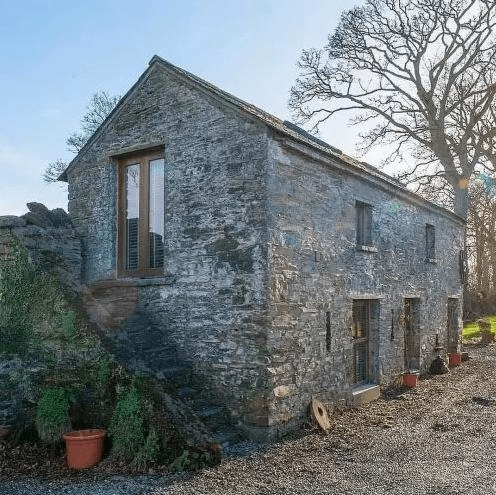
(461, 199)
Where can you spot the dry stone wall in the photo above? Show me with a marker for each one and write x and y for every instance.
(51, 241)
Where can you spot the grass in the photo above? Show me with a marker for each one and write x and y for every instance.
(471, 330)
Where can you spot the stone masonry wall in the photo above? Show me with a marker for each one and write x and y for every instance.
(208, 311)
(260, 253)
(49, 238)
(315, 268)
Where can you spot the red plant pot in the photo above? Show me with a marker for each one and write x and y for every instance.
(455, 359)
(84, 448)
(409, 379)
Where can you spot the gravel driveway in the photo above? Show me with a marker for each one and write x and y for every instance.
(439, 438)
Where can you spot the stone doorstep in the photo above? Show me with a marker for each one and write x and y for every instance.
(365, 394)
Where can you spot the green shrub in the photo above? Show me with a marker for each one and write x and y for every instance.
(17, 291)
(181, 462)
(134, 439)
(68, 324)
(52, 415)
(149, 453)
(127, 429)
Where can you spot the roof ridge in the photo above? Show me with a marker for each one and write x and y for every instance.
(286, 128)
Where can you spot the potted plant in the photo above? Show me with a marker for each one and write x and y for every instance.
(454, 358)
(84, 447)
(409, 378)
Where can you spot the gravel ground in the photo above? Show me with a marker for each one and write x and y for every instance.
(436, 439)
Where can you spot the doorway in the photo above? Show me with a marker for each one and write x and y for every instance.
(365, 321)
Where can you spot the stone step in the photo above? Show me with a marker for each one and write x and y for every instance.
(365, 394)
(226, 438)
(187, 393)
(212, 415)
(180, 376)
(210, 411)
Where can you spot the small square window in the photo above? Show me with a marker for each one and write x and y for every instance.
(364, 224)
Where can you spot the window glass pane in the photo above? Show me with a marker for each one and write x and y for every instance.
(157, 205)
(132, 180)
(430, 236)
(360, 319)
(364, 224)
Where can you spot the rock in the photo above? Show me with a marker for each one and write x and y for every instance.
(38, 208)
(12, 221)
(38, 215)
(60, 218)
(283, 391)
(483, 401)
(34, 219)
(438, 367)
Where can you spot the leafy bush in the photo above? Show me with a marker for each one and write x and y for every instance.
(127, 425)
(52, 415)
(181, 462)
(134, 440)
(68, 323)
(149, 453)
(17, 290)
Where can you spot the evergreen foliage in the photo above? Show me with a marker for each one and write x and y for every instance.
(52, 415)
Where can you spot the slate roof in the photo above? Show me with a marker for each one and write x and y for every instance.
(283, 127)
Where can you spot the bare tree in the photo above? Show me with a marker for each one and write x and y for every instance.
(421, 74)
(99, 107)
(480, 242)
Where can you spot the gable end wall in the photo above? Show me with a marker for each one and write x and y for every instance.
(209, 313)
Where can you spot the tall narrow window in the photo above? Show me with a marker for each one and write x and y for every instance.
(364, 224)
(430, 242)
(141, 213)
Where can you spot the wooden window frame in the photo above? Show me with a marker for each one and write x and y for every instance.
(364, 340)
(142, 159)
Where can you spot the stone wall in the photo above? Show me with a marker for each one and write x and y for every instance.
(49, 238)
(316, 271)
(51, 241)
(207, 311)
(261, 263)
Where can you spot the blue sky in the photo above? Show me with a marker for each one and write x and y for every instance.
(55, 54)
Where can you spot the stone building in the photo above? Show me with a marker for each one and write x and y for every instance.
(252, 264)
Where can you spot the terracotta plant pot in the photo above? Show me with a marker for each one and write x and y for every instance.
(409, 379)
(454, 359)
(84, 448)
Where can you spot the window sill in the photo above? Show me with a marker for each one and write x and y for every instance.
(431, 260)
(134, 282)
(368, 249)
